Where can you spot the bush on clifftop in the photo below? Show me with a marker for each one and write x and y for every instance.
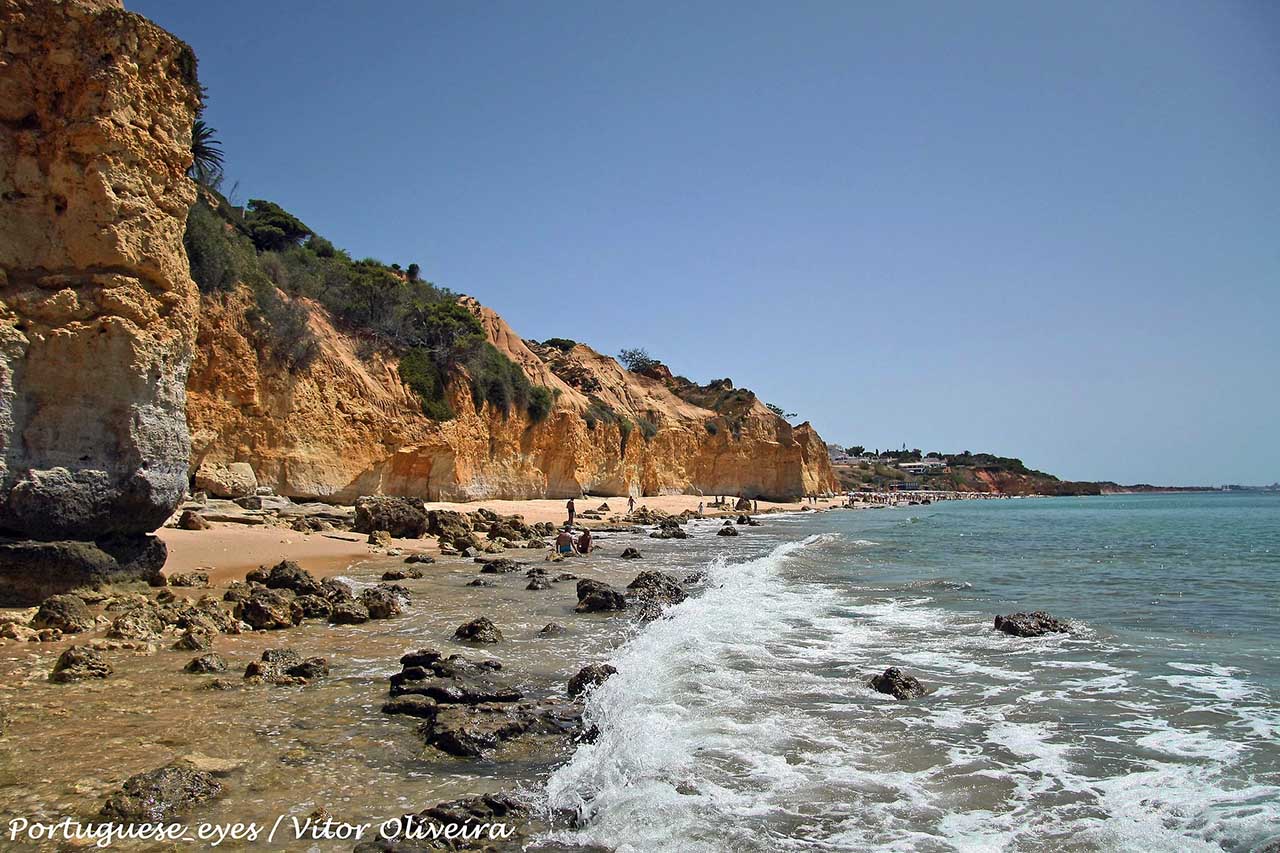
(274, 252)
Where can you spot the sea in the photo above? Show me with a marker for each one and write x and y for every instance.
(743, 721)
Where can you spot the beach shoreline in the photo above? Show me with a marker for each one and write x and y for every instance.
(193, 717)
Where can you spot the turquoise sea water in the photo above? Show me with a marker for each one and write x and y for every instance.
(742, 721)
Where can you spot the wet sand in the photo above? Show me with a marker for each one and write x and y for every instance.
(298, 748)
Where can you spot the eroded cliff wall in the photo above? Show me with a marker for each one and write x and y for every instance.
(97, 307)
(347, 426)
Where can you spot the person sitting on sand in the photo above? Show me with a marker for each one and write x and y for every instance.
(584, 542)
(564, 542)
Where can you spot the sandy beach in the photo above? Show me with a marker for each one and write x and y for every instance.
(227, 550)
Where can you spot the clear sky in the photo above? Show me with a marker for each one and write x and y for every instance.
(1044, 230)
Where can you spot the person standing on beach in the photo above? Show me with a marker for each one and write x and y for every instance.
(699, 507)
(572, 510)
(631, 503)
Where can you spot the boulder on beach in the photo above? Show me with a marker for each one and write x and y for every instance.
(189, 579)
(232, 480)
(403, 518)
(67, 613)
(286, 574)
(589, 678)
(894, 682)
(192, 520)
(448, 525)
(1034, 624)
(161, 794)
(727, 530)
(631, 554)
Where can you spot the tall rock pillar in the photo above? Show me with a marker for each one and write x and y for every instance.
(97, 306)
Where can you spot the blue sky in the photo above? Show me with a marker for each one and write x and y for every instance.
(1045, 230)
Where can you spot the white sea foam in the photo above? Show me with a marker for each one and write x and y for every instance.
(743, 722)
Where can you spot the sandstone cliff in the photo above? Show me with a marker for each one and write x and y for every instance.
(97, 307)
(346, 425)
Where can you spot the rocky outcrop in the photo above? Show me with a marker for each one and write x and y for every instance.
(97, 306)
(1034, 624)
(346, 426)
(896, 683)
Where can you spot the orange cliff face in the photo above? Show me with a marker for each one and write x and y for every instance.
(347, 426)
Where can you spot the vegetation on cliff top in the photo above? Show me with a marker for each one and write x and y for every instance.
(964, 472)
(280, 258)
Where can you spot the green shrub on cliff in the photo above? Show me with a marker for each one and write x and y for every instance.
(271, 227)
(266, 247)
(598, 411)
(220, 257)
(541, 399)
(418, 370)
(283, 327)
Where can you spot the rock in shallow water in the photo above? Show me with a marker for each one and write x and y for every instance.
(67, 613)
(658, 587)
(79, 663)
(595, 595)
(384, 602)
(894, 682)
(481, 630)
(589, 678)
(161, 794)
(473, 815)
(205, 664)
(1034, 624)
(271, 609)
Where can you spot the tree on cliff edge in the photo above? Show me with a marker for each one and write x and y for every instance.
(206, 154)
(637, 360)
